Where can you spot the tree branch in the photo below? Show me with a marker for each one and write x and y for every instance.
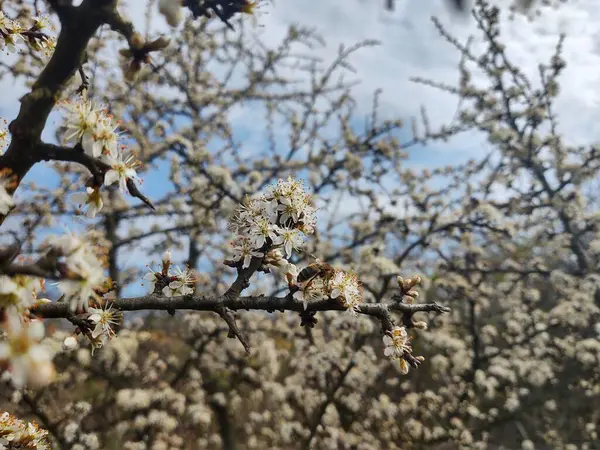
(216, 303)
(51, 152)
(78, 25)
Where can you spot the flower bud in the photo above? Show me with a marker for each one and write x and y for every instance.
(420, 325)
(400, 282)
(413, 294)
(166, 263)
(403, 366)
(69, 343)
(137, 41)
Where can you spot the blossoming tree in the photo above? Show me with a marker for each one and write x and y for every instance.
(236, 231)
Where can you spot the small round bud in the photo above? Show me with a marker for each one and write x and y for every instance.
(70, 343)
(400, 282)
(413, 294)
(137, 41)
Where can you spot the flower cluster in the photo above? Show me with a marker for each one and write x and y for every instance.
(83, 271)
(15, 433)
(319, 281)
(96, 131)
(12, 31)
(29, 361)
(19, 293)
(396, 346)
(346, 287)
(277, 219)
(82, 276)
(171, 285)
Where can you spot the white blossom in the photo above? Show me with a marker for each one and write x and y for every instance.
(244, 250)
(29, 361)
(121, 170)
(105, 319)
(396, 343)
(91, 198)
(181, 285)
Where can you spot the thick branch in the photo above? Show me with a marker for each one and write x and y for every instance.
(51, 152)
(78, 26)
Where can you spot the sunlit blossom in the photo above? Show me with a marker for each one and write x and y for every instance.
(183, 284)
(81, 119)
(243, 249)
(121, 170)
(396, 343)
(105, 319)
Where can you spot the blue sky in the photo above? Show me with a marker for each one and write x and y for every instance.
(410, 46)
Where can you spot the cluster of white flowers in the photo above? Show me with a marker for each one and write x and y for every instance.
(345, 285)
(273, 225)
(97, 133)
(396, 346)
(334, 284)
(15, 433)
(279, 218)
(180, 283)
(12, 31)
(29, 361)
(85, 272)
(19, 293)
